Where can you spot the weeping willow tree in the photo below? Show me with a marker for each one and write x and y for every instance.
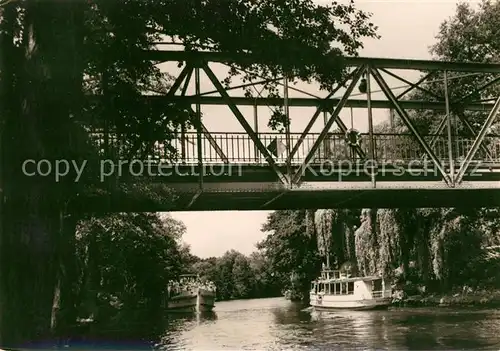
(457, 248)
(335, 236)
(367, 252)
(435, 249)
(397, 233)
(442, 246)
(323, 224)
(310, 225)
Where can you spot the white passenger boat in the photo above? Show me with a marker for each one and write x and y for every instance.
(190, 294)
(339, 290)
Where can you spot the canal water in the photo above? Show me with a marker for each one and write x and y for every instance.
(278, 324)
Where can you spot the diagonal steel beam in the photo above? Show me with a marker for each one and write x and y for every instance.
(479, 89)
(187, 81)
(212, 141)
(473, 133)
(246, 85)
(406, 119)
(269, 202)
(436, 134)
(316, 114)
(420, 81)
(328, 125)
(185, 71)
(194, 198)
(412, 85)
(464, 120)
(248, 129)
(479, 139)
(214, 144)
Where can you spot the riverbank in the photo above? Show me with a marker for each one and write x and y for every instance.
(480, 298)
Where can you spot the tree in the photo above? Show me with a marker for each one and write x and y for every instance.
(126, 262)
(42, 84)
(265, 282)
(289, 248)
(468, 36)
(441, 240)
(237, 276)
(103, 41)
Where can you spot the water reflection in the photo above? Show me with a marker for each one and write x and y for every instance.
(243, 324)
(277, 324)
(344, 329)
(193, 318)
(415, 329)
(352, 329)
(442, 329)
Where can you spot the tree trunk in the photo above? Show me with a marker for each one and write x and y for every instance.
(64, 307)
(38, 129)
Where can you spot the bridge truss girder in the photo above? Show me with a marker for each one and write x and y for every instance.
(291, 178)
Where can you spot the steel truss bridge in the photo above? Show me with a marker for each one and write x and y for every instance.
(262, 171)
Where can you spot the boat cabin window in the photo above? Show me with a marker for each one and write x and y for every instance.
(377, 285)
(346, 288)
(340, 288)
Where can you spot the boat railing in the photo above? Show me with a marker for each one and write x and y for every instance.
(333, 274)
(377, 294)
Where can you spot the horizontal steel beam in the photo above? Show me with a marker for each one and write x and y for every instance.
(388, 63)
(270, 187)
(425, 196)
(161, 101)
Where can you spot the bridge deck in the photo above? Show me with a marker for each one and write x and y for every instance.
(234, 175)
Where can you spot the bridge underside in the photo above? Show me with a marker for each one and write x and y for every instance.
(258, 188)
(305, 199)
(355, 198)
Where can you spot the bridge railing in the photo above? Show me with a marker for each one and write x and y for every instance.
(239, 148)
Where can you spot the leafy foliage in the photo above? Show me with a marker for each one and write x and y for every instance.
(298, 38)
(289, 249)
(126, 260)
(96, 47)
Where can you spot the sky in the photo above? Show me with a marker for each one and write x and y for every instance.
(407, 29)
